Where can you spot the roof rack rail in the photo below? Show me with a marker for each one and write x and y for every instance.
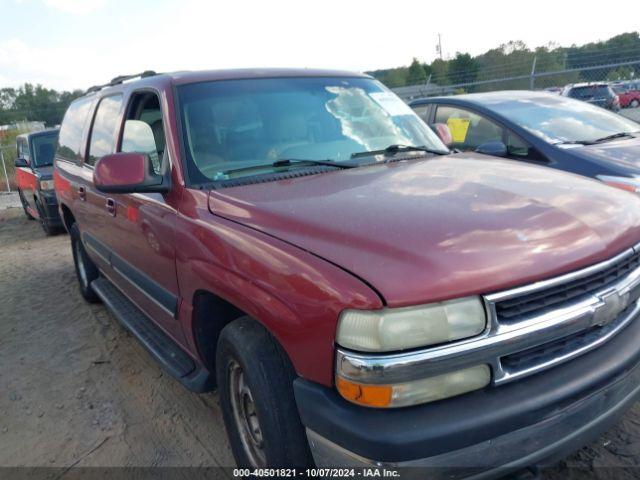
(119, 80)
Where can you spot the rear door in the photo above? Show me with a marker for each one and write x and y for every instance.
(97, 219)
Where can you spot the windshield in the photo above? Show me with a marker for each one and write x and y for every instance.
(43, 148)
(563, 120)
(231, 125)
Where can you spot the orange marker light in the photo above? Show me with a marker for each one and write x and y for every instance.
(368, 395)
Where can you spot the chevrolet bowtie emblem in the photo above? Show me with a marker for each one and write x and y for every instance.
(613, 304)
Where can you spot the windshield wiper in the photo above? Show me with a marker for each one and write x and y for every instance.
(396, 148)
(597, 140)
(613, 137)
(287, 162)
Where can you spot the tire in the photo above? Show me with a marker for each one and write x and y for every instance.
(49, 230)
(24, 205)
(255, 383)
(86, 270)
(634, 103)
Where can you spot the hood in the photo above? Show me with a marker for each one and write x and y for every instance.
(620, 156)
(429, 230)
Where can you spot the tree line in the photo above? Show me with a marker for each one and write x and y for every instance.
(34, 103)
(515, 59)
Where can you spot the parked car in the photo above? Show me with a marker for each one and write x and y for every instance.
(543, 129)
(630, 84)
(357, 295)
(555, 90)
(34, 178)
(628, 98)
(600, 94)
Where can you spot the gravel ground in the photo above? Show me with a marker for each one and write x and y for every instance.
(9, 200)
(75, 387)
(76, 390)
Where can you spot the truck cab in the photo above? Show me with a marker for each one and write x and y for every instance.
(34, 178)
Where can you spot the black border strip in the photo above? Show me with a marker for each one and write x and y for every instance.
(152, 289)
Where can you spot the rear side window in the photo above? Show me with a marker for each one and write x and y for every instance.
(103, 132)
(70, 139)
(582, 92)
(23, 149)
(602, 91)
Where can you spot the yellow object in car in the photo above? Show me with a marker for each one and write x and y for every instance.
(459, 128)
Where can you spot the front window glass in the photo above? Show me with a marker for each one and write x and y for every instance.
(143, 129)
(563, 120)
(236, 124)
(44, 148)
(468, 129)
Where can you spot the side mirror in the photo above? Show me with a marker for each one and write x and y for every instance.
(444, 133)
(495, 149)
(21, 162)
(128, 173)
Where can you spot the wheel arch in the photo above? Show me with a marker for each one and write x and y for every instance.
(68, 218)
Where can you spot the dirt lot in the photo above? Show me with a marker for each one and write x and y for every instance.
(75, 387)
(77, 390)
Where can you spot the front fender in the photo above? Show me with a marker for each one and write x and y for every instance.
(297, 296)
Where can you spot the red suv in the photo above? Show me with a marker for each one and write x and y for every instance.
(302, 241)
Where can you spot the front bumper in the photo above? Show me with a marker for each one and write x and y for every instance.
(482, 434)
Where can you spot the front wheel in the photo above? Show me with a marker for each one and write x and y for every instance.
(48, 229)
(635, 103)
(255, 382)
(86, 271)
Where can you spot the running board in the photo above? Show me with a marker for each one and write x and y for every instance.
(163, 348)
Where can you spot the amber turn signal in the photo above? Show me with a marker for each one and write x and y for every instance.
(367, 395)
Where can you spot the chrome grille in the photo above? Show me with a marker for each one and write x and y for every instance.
(583, 310)
(516, 309)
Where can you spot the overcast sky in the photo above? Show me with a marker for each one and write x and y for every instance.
(67, 44)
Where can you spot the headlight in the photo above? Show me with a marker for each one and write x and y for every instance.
(46, 185)
(630, 184)
(417, 391)
(392, 329)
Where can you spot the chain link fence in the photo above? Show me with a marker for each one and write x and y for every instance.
(7, 158)
(530, 76)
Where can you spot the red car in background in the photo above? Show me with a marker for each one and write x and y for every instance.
(34, 178)
(628, 97)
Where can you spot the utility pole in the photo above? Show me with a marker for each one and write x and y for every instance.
(532, 80)
(439, 46)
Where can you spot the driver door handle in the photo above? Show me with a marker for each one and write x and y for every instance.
(111, 206)
(82, 193)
